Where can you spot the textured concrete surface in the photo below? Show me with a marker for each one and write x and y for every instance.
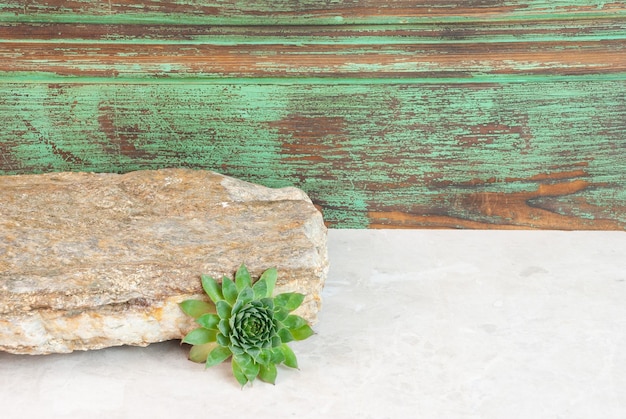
(415, 324)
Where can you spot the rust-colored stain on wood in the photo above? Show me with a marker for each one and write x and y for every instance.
(516, 210)
(390, 114)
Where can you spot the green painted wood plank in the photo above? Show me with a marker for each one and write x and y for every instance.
(387, 61)
(29, 78)
(465, 51)
(523, 154)
(576, 30)
(269, 12)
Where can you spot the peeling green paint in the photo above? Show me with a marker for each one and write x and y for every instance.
(392, 146)
(46, 78)
(303, 12)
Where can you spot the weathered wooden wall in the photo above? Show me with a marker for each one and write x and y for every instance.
(431, 113)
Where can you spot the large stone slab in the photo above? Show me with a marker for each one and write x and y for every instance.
(95, 260)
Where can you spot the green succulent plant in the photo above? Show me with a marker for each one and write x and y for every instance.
(244, 322)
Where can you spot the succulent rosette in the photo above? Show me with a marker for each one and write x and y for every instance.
(245, 323)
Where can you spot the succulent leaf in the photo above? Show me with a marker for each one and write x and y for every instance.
(268, 373)
(223, 309)
(280, 314)
(196, 308)
(217, 356)
(268, 303)
(289, 300)
(278, 355)
(302, 332)
(238, 373)
(260, 288)
(208, 321)
(242, 278)
(224, 327)
(294, 322)
(269, 276)
(265, 357)
(255, 353)
(199, 353)
(199, 336)
(276, 341)
(222, 340)
(290, 357)
(285, 335)
(229, 290)
(245, 296)
(212, 288)
(237, 350)
(248, 366)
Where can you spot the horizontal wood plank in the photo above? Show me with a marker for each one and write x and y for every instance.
(386, 51)
(255, 12)
(527, 30)
(480, 155)
(275, 60)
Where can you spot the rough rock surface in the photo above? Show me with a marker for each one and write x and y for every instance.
(95, 260)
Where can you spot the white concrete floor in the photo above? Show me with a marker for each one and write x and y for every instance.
(415, 324)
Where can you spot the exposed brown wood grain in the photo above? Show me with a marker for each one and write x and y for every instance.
(415, 60)
(515, 210)
(606, 26)
(347, 10)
